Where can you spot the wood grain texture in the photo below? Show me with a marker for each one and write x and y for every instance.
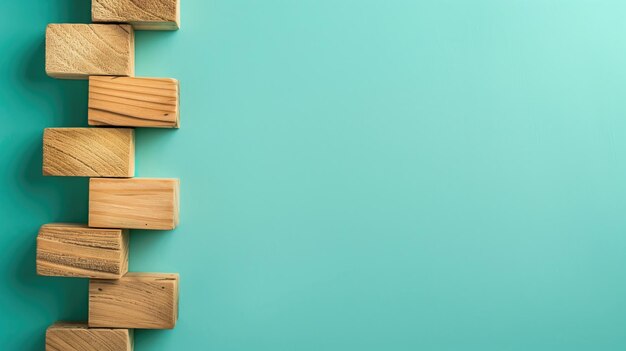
(77, 51)
(70, 336)
(138, 203)
(142, 14)
(75, 250)
(137, 300)
(89, 152)
(133, 102)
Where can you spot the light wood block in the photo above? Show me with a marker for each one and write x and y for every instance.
(75, 250)
(142, 14)
(71, 336)
(133, 102)
(137, 300)
(77, 51)
(137, 203)
(89, 152)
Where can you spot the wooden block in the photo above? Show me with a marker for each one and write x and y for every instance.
(89, 152)
(71, 336)
(75, 250)
(133, 102)
(137, 300)
(137, 203)
(142, 14)
(77, 51)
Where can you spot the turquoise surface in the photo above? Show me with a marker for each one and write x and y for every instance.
(355, 175)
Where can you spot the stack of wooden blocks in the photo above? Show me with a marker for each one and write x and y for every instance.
(103, 52)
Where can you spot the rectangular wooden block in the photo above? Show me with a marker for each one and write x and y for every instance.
(137, 300)
(142, 14)
(133, 102)
(89, 152)
(71, 336)
(137, 203)
(75, 250)
(77, 51)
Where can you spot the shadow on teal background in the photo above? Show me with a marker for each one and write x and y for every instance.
(355, 175)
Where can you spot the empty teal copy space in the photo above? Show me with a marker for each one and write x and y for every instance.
(355, 175)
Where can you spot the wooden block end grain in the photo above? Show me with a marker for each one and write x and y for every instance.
(137, 300)
(89, 152)
(136, 203)
(77, 51)
(75, 250)
(70, 336)
(133, 102)
(142, 14)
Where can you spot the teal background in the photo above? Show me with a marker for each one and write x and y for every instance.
(355, 175)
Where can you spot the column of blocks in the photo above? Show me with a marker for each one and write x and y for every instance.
(69, 336)
(75, 250)
(104, 53)
(137, 300)
(133, 102)
(137, 203)
(89, 152)
(77, 51)
(142, 14)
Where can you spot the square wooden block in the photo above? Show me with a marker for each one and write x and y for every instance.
(142, 14)
(137, 300)
(71, 336)
(75, 250)
(77, 51)
(137, 203)
(133, 102)
(89, 152)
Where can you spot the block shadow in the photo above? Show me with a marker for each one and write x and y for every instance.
(66, 100)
